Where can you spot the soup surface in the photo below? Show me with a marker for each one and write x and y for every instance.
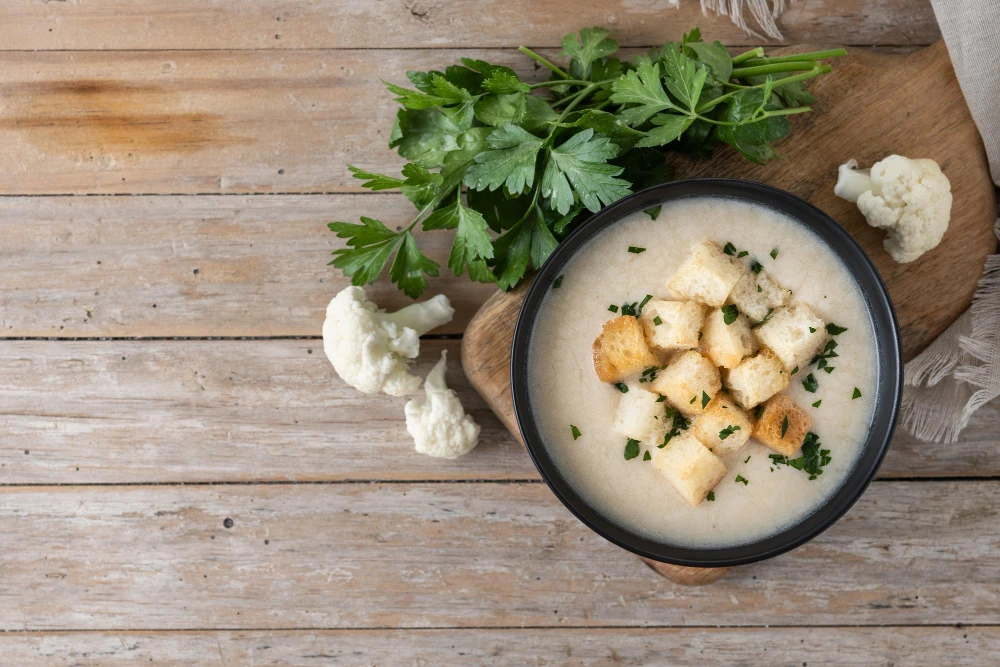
(564, 388)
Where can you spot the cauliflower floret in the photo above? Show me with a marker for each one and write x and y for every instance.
(369, 349)
(439, 425)
(910, 198)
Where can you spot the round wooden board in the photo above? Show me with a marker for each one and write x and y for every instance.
(873, 105)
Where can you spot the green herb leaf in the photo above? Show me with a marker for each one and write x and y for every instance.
(817, 403)
(705, 400)
(509, 162)
(813, 458)
(557, 283)
(635, 250)
(683, 79)
(646, 456)
(613, 308)
(631, 449)
(427, 135)
(669, 127)
(654, 212)
(834, 330)
(856, 394)
(741, 478)
(589, 45)
(375, 181)
(715, 56)
(622, 387)
(784, 426)
(641, 89)
(729, 314)
(728, 431)
(472, 240)
(774, 253)
(810, 384)
(575, 431)
(756, 266)
(729, 249)
(644, 301)
(657, 321)
(710, 497)
(581, 161)
(409, 268)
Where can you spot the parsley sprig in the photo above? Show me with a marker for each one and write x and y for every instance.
(513, 167)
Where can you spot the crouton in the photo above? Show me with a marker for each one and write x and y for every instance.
(689, 467)
(724, 428)
(638, 413)
(772, 429)
(757, 379)
(795, 335)
(726, 344)
(708, 275)
(672, 325)
(757, 293)
(687, 381)
(621, 350)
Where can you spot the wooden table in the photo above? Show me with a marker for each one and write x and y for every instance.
(186, 481)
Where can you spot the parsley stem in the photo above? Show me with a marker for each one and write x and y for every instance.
(825, 69)
(564, 82)
(752, 53)
(534, 56)
(761, 70)
(812, 55)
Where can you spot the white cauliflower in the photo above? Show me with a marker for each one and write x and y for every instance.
(370, 349)
(439, 425)
(910, 198)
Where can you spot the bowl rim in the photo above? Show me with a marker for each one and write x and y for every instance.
(889, 356)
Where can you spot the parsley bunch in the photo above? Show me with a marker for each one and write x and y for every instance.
(533, 166)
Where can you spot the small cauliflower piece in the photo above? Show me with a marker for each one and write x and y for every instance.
(758, 293)
(371, 349)
(638, 413)
(757, 379)
(782, 425)
(690, 468)
(686, 381)
(795, 334)
(672, 325)
(726, 344)
(439, 425)
(620, 350)
(708, 275)
(724, 428)
(909, 198)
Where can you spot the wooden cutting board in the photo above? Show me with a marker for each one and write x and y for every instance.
(871, 106)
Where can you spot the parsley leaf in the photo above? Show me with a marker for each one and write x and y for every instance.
(631, 449)
(510, 162)
(729, 314)
(582, 161)
(586, 47)
(472, 240)
(643, 89)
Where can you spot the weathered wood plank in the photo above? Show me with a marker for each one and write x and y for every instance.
(183, 122)
(192, 266)
(462, 555)
(337, 24)
(112, 412)
(818, 647)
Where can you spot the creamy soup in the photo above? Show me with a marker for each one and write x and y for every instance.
(565, 390)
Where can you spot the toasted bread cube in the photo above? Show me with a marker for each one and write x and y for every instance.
(708, 275)
(689, 467)
(769, 427)
(685, 380)
(726, 344)
(621, 350)
(795, 335)
(757, 293)
(638, 413)
(724, 428)
(679, 324)
(757, 379)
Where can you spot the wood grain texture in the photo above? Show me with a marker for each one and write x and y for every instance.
(462, 555)
(590, 647)
(192, 266)
(127, 412)
(338, 24)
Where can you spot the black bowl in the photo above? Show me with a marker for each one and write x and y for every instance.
(889, 355)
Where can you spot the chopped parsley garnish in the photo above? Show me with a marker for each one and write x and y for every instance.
(728, 431)
(741, 478)
(756, 266)
(646, 456)
(629, 308)
(557, 283)
(613, 308)
(710, 497)
(635, 250)
(812, 330)
(856, 394)
(742, 253)
(784, 427)
(795, 370)
(810, 384)
(729, 314)
(631, 449)
(653, 212)
(661, 399)
(575, 431)
(729, 249)
(759, 290)
(645, 301)
(680, 424)
(829, 369)
(812, 460)
(657, 321)
(816, 404)
(693, 399)
(747, 458)
(767, 317)
(834, 330)
(774, 253)
(649, 374)
(705, 400)
(622, 387)
(758, 411)
(829, 352)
